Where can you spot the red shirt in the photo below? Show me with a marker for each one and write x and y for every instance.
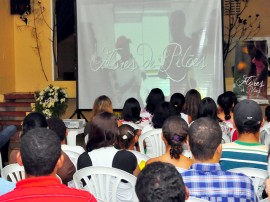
(45, 188)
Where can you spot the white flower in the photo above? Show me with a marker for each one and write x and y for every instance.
(62, 100)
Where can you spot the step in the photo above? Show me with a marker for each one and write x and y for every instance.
(14, 113)
(17, 123)
(15, 104)
(15, 96)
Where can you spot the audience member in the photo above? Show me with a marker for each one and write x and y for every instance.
(31, 121)
(160, 182)
(208, 108)
(131, 113)
(264, 131)
(6, 186)
(128, 137)
(225, 107)
(246, 151)
(41, 156)
(177, 101)
(174, 135)
(205, 179)
(192, 101)
(155, 97)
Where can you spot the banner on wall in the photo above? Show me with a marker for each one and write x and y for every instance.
(251, 70)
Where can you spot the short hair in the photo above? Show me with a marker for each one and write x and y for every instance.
(204, 137)
(58, 126)
(155, 97)
(192, 102)
(207, 108)
(267, 113)
(40, 151)
(175, 131)
(34, 120)
(177, 101)
(160, 182)
(126, 134)
(102, 104)
(162, 112)
(226, 101)
(131, 110)
(103, 131)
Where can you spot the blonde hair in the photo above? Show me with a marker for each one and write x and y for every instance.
(101, 104)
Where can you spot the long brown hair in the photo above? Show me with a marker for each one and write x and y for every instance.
(101, 104)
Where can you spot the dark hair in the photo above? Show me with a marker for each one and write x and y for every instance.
(126, 135)
(103, 131)
(267, 113)
(207, 108)
(155, 97)
(131, 110)
(225, 101)
(34, 120)
(233, 96)
(58, 126)
(160, 182)
(162, 112)
(204, 137)
(175, 131)
(177, 101)
(40, 151)
(247, 128)
(192, 102)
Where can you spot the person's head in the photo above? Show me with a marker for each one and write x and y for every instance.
(131, 110)
(58, 126)
(233, 96)
(267, 113)
(155, 97)
(102, 104)
(103, 131)
(33, 120)
(225, 102)
(205, 137)
(160, 182)
(175, 132)
(40, 152)
(207, 108)
(192, 102)
(162, 112)
(177, 101)
(248, 117)
(177, 24)
(127, 136)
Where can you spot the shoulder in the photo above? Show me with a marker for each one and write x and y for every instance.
(125, 154)
(84, 156)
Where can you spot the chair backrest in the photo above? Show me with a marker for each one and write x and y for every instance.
(258, 177)
(154, 144)
(73, 156)
(187, 153)
(106, 183)
(13, 172)
(140, 157)
(194, 199)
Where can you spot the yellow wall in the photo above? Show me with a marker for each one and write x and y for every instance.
(7, 60)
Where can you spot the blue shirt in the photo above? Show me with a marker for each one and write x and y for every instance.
(6, 186)
(209, 182)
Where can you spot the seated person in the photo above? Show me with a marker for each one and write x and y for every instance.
(174, 135)
(205, 179)
(246, 151)
(6, 186)
(160, 182)
(265, 130)
(38, 120)
(41, 156)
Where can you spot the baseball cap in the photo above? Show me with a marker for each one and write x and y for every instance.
(247, 113)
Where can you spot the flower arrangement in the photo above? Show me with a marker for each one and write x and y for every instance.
(51, 101)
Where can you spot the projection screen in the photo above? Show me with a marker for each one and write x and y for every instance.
(128, 47)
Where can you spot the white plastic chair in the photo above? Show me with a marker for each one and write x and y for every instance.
(73, 156)
(13, 172)
(194, 199)
(187, 153)
(154, 144)
(265, 135)
(140, 157)
(105, 183)
(264, 200)
(258, 177)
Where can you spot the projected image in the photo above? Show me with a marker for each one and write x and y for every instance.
(126, 48)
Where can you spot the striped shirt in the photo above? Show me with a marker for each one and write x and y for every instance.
(209, 182)
(242, 154)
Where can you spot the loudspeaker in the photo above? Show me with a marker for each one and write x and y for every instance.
(20, 7)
